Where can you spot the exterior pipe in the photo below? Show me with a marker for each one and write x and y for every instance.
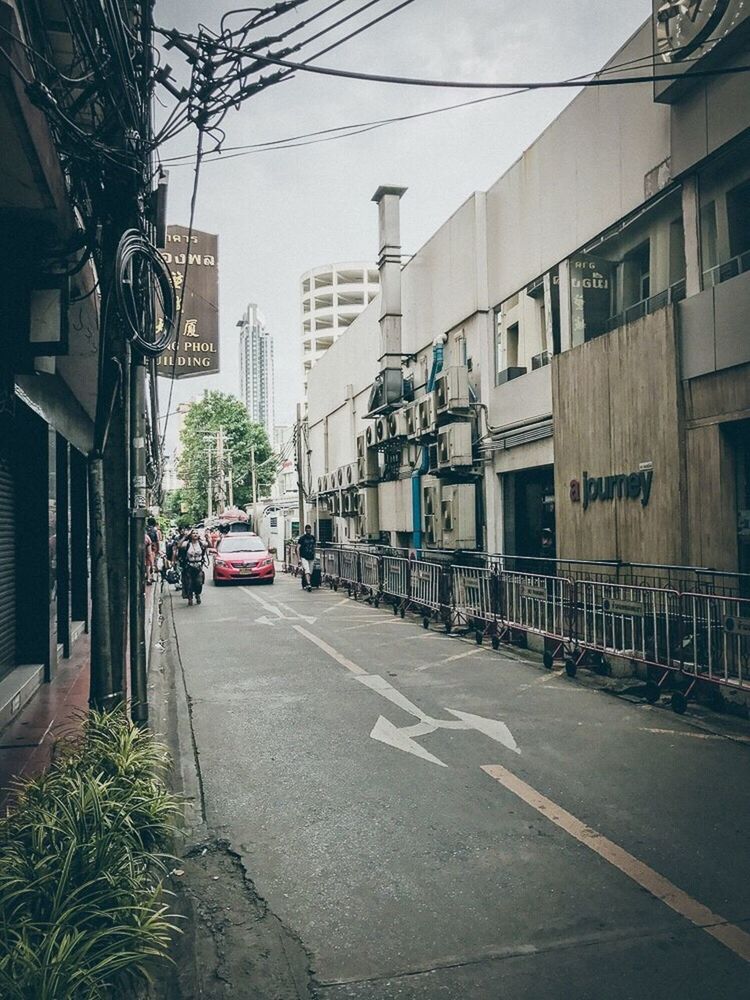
(438, 351)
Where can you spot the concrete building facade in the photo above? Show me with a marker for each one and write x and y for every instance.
(257, 368)
(332, 296)
(596, 308)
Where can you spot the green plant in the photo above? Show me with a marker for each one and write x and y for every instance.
(82, 863)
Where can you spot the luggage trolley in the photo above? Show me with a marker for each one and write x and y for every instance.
(475, 601)
(715, 648)
(534, 604)
(643, 624)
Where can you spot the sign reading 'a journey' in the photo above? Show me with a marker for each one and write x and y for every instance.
(198, 299)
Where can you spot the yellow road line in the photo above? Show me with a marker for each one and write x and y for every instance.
(729, 935)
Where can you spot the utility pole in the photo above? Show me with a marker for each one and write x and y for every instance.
(300, 487)
(231, 481)
(220, 502)
(137, 631)
(254, 476)
(210, 484)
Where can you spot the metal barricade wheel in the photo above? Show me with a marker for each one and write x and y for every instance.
(679, 703)
(548, 660)
(495, 642)
(425, 622)
(653, 692)
(403, 612)
(478, 636)
(571, 668)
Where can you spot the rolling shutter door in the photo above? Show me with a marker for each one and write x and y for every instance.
(7, 567)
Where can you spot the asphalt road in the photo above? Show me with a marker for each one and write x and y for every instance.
(574, 845)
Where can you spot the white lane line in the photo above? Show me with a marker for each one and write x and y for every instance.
(352, 628)
(451, 659)
(334, 654)
(334, 606)
(718, 927)
(695, 736)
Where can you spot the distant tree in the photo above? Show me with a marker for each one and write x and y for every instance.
(202, 422)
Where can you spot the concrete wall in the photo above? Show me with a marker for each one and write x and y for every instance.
(562, 193)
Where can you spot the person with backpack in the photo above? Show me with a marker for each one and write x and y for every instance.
(194, 558)
(306, 556)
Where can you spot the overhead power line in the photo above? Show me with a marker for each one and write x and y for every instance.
(410, 81)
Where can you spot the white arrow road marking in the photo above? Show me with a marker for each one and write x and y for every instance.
(385, 732)
(404, 737)
(277, 612)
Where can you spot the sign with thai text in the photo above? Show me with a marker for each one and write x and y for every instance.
(195, 272)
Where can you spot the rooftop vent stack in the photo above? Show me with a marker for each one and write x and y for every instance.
(389, 265)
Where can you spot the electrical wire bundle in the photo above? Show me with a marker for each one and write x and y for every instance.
(144, 293)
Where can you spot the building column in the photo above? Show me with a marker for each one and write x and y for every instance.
(692, 224)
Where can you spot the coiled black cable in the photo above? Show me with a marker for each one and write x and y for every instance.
(144, 293)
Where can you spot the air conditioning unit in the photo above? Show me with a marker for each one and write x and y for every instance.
(382, 430)
(367, 513)
(411, 420)
(350, 474)
(540, 360)
(349, 503)
(454, 446)
(370, 439)
(425, 416)
(452, 391)
(397, 424)
(339, 477)
(458, 518)
(335, 504)
(321, 485)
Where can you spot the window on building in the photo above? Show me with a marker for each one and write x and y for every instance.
(738, 219)
(511, 346)
(676, 251)
(637, 274)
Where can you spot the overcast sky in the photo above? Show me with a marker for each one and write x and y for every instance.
(280, 213)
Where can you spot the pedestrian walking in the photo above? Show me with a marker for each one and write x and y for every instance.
(152, 543)
(193, 577)
(306, 556)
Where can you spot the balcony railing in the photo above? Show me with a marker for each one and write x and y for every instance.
(729, 269)
(669, 296)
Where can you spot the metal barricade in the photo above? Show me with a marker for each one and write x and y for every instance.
(349, 568)
(643, 624)
(329, 564)
(539, 605)
(396, 582)
(475, 600)
(369, 576)
(427, 591)
(715, 643)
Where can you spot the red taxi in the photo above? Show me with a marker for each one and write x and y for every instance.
(242, 557)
